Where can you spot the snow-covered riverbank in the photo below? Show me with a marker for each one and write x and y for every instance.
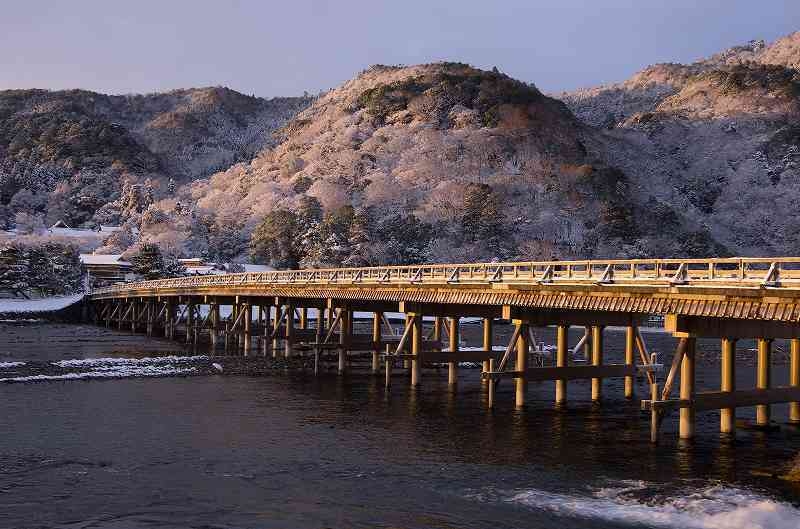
(37, 306)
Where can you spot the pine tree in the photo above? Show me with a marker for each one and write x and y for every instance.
(13, 270)
(148, 263)
(173, 267)
(360, 244)
(275, 240)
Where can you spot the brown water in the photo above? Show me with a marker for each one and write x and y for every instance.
(297, 451)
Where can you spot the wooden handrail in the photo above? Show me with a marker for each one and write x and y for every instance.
(747, 271)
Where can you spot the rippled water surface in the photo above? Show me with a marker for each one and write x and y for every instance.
(140, 449)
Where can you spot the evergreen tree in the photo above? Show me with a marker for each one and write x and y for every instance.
(360, 243)
(309, 218)
(13, 270)
(482, 218)
(173, 267)
(335, 237)
(39, 273)
(149, 263)
(275, 240)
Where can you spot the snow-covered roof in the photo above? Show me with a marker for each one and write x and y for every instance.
(75, 232)
(257, 268)
(100, 259)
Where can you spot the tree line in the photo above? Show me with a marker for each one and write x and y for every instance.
(43, 268)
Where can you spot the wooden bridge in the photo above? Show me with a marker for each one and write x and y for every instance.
(726, 299)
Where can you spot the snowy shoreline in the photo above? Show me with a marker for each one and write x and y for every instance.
(38, 306)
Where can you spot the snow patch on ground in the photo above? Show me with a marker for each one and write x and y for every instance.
(8, 365)
(93, 368)
(38, 305)
(90, 362)
(712, 507)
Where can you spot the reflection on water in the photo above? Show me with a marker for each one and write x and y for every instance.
(304, 451)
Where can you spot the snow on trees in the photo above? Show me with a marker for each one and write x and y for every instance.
(150, 263)
(45, 268)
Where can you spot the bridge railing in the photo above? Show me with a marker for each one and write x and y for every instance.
(743, 271)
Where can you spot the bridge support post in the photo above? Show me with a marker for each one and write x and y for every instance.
(276, 323)
(214, 323)
(134, 315)
(488, 341)
(587, 343)
(521, 366)
(763, 378)
(121, 314)
(630, 346)
(149, 309)
(452, 366)
(169, 320)
(376, 341)
(289, 335)
(794, 379)
(597, 360)
(416, 350)
(247, 331)
(728, 383)
(345, 330)
(189, 320)
(687, 415)
(562, 333)
(304, 318)
(437, 331)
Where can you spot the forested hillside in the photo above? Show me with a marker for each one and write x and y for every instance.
(436, 162)
(78, 156)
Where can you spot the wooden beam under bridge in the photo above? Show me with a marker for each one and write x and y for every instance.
(696, 326)
(578, 318)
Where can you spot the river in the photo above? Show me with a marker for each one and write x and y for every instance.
(150, 438)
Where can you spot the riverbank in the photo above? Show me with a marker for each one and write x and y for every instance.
(58, 308)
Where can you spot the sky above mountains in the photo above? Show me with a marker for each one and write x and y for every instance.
(272, 48)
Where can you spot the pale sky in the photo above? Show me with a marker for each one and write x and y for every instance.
(271, 48)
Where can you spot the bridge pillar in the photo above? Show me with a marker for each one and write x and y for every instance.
(376, 341)
(562, 333)
(597, 360)
(794, 379)
(276, 323)
(214, 323)
(247, 331)
(304, 318)
(452, 366)
(630, 346)
(149, 309)
(134, 315)
(289, 335)
(406, 362)
(763, 378)
(169, 319)
(121, 314)
(189, 320)
(345, 333)
(521, 366)
(587, 343)
(728, 383)
(416, 350)
(488, 341)
(687, 415)
(437, 331)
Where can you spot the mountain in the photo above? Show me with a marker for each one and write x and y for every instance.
(436, 162)
(428, 163)
(717, 139)
(68, 153)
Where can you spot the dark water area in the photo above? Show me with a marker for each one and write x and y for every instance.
(162, 449)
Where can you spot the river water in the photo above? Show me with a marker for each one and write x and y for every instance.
(145, 437)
